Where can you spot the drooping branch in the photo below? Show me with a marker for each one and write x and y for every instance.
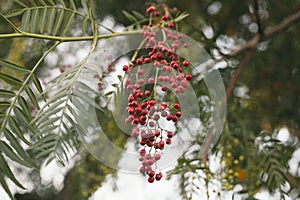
(285, 23)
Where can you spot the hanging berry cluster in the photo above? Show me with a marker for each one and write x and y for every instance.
(145, 110)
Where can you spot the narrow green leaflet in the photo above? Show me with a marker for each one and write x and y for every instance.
(32, 97)
(45, 115)
(87, 99)
(37, 83)
(68, 23)
(43, 20)
(6, 94)
(129, 16)
(52, 2)
(17, 146)
(14, 66)
(48, 129)
(9, 152)
(34, 20)
(4, 105)
(62, 3)
(25, 20)
(21, 3)
(7, 171)
(73, 6)
(5, 186)
(49, 122)
(43, 2)
(85, 6)
(33, 3)
(14, 13)
(138, 15)
(23, 119)
(51, 18)
(84, 25)
(15, 127)
(58, 22)
(181, 16)
(10, 80)
(25, 108)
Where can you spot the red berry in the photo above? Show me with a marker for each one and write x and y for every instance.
(188, 77)
(165, 17)
(157, 133)
(174, 118)
(177, 106)
(157, 14)
(185, 63)
(169, 117)
(169, 134)
(171, 25)
(178, 114)
(164, 88)
(158, 176)
(161, 145)
(151, 173)
(164, 104)
(142, 152)
(147, 93)
(126, 68)
(168, 141)
(150, 179)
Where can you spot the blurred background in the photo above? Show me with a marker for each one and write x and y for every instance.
(262, 130)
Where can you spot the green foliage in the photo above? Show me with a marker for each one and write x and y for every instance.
(49, 17)
(38, 125)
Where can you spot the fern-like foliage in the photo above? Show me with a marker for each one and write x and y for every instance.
(50, 17)
(50, 133)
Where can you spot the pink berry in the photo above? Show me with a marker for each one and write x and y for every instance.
(151, 80)
(147, 60)
(140, 72)
(157, 156)
(139, 61)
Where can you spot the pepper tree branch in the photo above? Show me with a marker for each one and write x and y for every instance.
(285, 23)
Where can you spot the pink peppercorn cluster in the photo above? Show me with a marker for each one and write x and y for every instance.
(145, 111)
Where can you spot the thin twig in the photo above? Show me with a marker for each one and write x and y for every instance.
(285, 23)
(229, 90)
